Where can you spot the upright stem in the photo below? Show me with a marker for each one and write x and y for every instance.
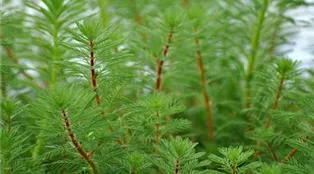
(252, 58)
(272, 152)
(205, 93)
(158, 80)
(55, 57)
(159, 73)
(94, 81)
(177, 167)
(234, 169)
(93, 72)
(275, 105)
(157, 127)
(76, 144)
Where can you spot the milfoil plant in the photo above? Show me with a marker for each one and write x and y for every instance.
(138, 86)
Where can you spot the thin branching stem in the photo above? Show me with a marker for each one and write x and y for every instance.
(293, 151)
(205, 93)
(177, 166)
(158, 80)
(254, 47)
(270, 148)
(94, 81)
(93, 72)
(160, 63)
(9, 52)
(290, 155)
(234, 169)
(275, 104)
(55, 57)
(157, 129)
(159, 73)
(274, 107)
(78, 147)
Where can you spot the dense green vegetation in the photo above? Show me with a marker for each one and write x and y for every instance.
(153, 86)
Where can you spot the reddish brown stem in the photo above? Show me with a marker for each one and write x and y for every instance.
(161, 62)
(273, 152)
(93, 72)
(9, 52)
(166, 49)
(177, 167)
(275, 105)
(205, 93)
(159, 73)
(290, 155)
(234, 169)
(294, 151)
(76, 144)
(93, 151)
(158, 80)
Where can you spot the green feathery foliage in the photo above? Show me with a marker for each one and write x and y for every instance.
(154, 86)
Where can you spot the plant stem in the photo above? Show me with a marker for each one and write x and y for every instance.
(94, 81)
(76, 144)
(10, 54)
(157, 125)
(273, 152)
(177, 167)
(234, 169)
(93, 73)
(161, 62)
(293, 151)
(158, 80)
(159, 73)
(55, 57)
(205, 93)
(275, 105)
(252, 58)
(290, 155)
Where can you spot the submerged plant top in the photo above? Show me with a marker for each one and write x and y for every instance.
(153, 87)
